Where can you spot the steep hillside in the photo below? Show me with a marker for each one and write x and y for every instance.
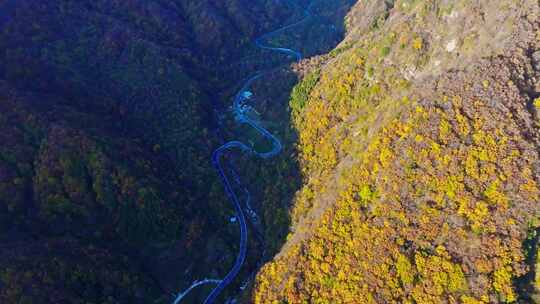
(106, 189)
(76, 195)
(419, 140)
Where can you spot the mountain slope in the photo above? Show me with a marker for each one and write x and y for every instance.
(419, 145)
(107, 129)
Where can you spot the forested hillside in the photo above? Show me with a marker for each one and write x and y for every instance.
(419, 147)
(107, 194)
(409, 169)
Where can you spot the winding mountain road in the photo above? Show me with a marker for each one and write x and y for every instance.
(241, 110)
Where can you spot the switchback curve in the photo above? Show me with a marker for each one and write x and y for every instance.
(240, 110)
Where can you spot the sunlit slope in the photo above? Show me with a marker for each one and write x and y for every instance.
(419, 140)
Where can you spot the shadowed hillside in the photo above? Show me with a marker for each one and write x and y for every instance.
(106, 118)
